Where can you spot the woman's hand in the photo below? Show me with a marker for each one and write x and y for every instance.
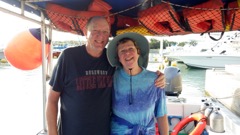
(160, 81)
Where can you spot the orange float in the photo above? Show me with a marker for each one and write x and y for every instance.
(157, 130)
(200, 118)
(205, 17)
(161, 19)
(24, 51)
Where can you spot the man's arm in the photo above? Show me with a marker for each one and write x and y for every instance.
(160, 81)
(52, 111)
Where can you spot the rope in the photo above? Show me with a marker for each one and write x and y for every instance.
(177, 100)
(237, 95)
(177, 5)
(138, 5)
(130, 8)
(130, 93)
(185, 28)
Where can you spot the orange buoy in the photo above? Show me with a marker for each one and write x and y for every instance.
(200, 118)
(24, 51)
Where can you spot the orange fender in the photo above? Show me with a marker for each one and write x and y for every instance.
(24, 51)
(197, 130)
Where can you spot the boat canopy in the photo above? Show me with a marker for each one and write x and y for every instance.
(147, 17)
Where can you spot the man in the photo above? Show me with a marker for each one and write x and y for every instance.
(82, 80)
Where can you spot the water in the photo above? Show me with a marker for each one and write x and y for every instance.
(193, 80)
(22, 103)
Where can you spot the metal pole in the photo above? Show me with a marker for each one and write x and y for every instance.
(43, 33)
(22, 7)
(161, 47)
(18, 15)
(162, 64)
(50, 57)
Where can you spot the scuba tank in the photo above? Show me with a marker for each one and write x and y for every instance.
(216, 121)
(208, 112)
(204, 105)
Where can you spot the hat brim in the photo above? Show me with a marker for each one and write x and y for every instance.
(141, 42)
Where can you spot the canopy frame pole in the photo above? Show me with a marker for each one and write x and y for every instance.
(50, 55)
(44, 72)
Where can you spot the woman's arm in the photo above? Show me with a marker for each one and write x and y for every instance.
(163, 125)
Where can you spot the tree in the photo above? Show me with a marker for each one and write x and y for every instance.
(182, 44)
(167, 43)
(193, 42)
(154, 44)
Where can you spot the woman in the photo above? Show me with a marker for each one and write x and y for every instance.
(137, 102)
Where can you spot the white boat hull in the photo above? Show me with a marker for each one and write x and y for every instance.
(207, 61)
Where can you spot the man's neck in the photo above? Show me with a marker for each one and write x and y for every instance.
(93, 52)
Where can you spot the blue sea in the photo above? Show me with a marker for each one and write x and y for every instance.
(21, 97)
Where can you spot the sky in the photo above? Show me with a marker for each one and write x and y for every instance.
(10, 26)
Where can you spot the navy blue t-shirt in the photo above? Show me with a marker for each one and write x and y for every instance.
(85, 84)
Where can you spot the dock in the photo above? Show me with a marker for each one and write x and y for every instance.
(224, 85)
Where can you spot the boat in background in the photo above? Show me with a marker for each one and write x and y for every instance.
(210, 56)
(1, 51)
(207, 61)
(1, 54)
(3, 61)
(57, 49)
